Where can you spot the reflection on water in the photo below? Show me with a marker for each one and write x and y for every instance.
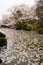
(23, 48)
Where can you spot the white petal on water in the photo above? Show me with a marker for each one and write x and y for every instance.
(18, 49)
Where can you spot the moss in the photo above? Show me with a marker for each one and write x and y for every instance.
(3, 41)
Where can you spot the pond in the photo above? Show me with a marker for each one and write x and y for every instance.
(23, 48)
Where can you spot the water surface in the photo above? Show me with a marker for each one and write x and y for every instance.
(23, 48)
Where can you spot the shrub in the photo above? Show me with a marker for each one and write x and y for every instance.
(3, 41)
(35, 26)
(2, 35)
(0, 61)
(40, 30)
(18, 26)
(28, 27)
(23, 25)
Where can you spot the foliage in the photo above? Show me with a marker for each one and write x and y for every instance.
(18, 26)
(35, 26)
(39, 12)
(22, 25)
(29, 26)
(3, 41)
(0, 61)
(40, 30)
(2, 35)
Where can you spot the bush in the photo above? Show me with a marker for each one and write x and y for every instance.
(23, 25)
(35, 26)
(3, 41)
(40, 30)
(2, 35)
(28, 27)
(18, 26)
(0, 61)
